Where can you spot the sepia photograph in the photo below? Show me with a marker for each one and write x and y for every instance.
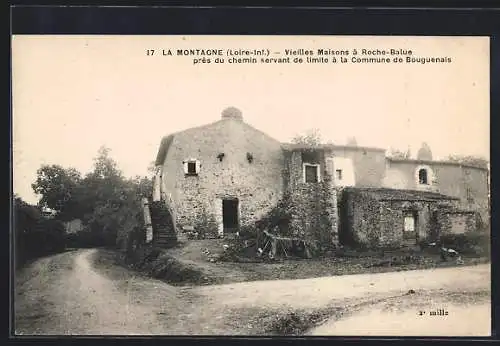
(251, 185)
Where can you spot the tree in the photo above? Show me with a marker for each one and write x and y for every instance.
(424, 153)
(58, 188)
(311, 137)
(105, 166)
(114, 202)
(106, 201)
(104, 194)
(35, 235)
(472, 160)
(152, 168)
(398, 154)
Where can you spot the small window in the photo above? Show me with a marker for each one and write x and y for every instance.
(191, 167)
(422, 177)
(311, 173)
(339, 174)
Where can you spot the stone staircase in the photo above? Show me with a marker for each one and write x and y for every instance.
(164, 229)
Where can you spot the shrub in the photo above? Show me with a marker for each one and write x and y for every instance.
(45, 238)
(468, 243)
(277, 218)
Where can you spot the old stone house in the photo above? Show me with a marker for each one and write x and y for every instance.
(382, 217)
(220, 177)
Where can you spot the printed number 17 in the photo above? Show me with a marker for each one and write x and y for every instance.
(150, 51)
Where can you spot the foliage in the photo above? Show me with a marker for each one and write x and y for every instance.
(277, 218)
(468, 243)
(311, 137)
(114, 201)
(398, 154)
(152, 168)
(35, 235)
(471, 160)
(59, 188)
(106, 201)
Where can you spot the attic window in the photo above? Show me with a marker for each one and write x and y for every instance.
(311, 173)
(191, 167)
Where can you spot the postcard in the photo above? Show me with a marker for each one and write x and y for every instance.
(251, 185)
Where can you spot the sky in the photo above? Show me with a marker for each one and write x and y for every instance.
(74, 94)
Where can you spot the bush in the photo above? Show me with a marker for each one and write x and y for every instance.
(85, 239)
(468, 243)
(277, 218)
(45, 237)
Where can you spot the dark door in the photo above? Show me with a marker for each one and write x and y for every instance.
(230, 215)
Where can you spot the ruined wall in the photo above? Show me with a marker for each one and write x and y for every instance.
(392, 222)
(370, 222)
(257, 184)
(368, 163)
(360, 221)
(313, 205)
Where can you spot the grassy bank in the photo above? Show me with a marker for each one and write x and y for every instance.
(195, 263)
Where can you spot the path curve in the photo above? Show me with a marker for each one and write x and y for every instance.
(65, 294)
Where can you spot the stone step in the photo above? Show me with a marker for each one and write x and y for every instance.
(164, 234)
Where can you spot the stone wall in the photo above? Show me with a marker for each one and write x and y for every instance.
(313, 205)
(456, 222)
(314, 216)
(360, 219)
(256, 182)
(369, 221)
(392, 222)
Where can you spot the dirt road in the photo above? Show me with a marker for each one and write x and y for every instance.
(65, 294)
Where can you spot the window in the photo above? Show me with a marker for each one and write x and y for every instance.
(422, 177)
(311, 173)
(191, 167)
(339, 174)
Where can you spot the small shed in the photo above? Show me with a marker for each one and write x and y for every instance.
(383, 217)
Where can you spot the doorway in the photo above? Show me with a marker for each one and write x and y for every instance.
(230, 217)
(410, 234)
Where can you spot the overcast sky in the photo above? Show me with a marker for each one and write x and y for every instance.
(72, 94)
